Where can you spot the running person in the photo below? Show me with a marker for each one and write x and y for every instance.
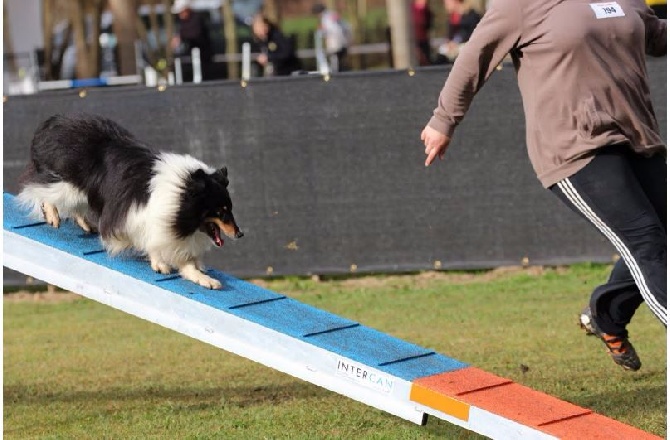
(591, 132)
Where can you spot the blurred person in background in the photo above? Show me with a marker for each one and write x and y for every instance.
(422, 17)
(462, 18)
(591, 132)
(193, 31)
(660, 7)
(337, 36)
(278, 56)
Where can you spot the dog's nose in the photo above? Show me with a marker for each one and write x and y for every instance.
(239, 234)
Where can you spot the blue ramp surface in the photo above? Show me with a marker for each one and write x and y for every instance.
(249, 302)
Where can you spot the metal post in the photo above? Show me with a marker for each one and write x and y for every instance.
(246, 61)
(150, 77)
(178, 78)
(139, 62)
(197, 66)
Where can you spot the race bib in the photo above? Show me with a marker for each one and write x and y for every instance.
(607, 10)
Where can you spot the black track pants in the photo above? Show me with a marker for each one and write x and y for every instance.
(623, 194)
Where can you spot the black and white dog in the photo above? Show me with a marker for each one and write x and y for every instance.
(168, 207)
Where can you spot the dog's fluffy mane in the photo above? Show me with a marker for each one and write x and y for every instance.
(156, 224)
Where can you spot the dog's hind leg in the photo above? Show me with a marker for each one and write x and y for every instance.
(85, 224)
(50, 213)
(190, 272)
(55, 200)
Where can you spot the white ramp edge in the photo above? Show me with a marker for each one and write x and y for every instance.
(223, 330)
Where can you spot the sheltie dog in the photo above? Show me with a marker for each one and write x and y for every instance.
(168, 207)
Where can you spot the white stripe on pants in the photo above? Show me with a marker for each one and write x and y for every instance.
(573, 196)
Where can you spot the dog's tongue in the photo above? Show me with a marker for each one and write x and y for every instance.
(218, 241)
(216, 235)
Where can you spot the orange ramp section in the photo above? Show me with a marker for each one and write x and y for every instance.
(456, 393)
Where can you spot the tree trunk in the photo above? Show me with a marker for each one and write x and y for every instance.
(156, 54)
(272, 11)
(231, 38)
(8, 46)
(357, 29)
(169, 31)
(125, 15)
(86, 44)
(77, 18)
(402, 35)
(47, 33)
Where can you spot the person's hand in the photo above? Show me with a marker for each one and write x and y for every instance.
(175, 42)
(436, 144)
(262, 59)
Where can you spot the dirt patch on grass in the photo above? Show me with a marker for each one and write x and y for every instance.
(39, 296)
(424, 278)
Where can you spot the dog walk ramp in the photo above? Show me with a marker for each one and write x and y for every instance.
(341, 355)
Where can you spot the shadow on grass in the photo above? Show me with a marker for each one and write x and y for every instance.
(624, 402)
(196, 398)
(623, 405)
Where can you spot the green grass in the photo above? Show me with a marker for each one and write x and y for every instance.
(375, 18)
(374, 24)
(82, 370)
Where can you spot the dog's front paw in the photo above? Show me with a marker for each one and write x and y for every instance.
(191, 273)
(209, 282)
(50, 214)
(160, 267)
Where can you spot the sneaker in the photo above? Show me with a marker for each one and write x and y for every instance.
(586, 321)
(620, 349)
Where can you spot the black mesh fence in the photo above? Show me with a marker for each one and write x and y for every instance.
(327, 177)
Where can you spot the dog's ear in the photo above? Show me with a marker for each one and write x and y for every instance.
(199, 179)
(222, 176)
(199, 174)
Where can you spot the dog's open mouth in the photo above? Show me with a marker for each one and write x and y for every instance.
(214, 231)
(214, 226)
